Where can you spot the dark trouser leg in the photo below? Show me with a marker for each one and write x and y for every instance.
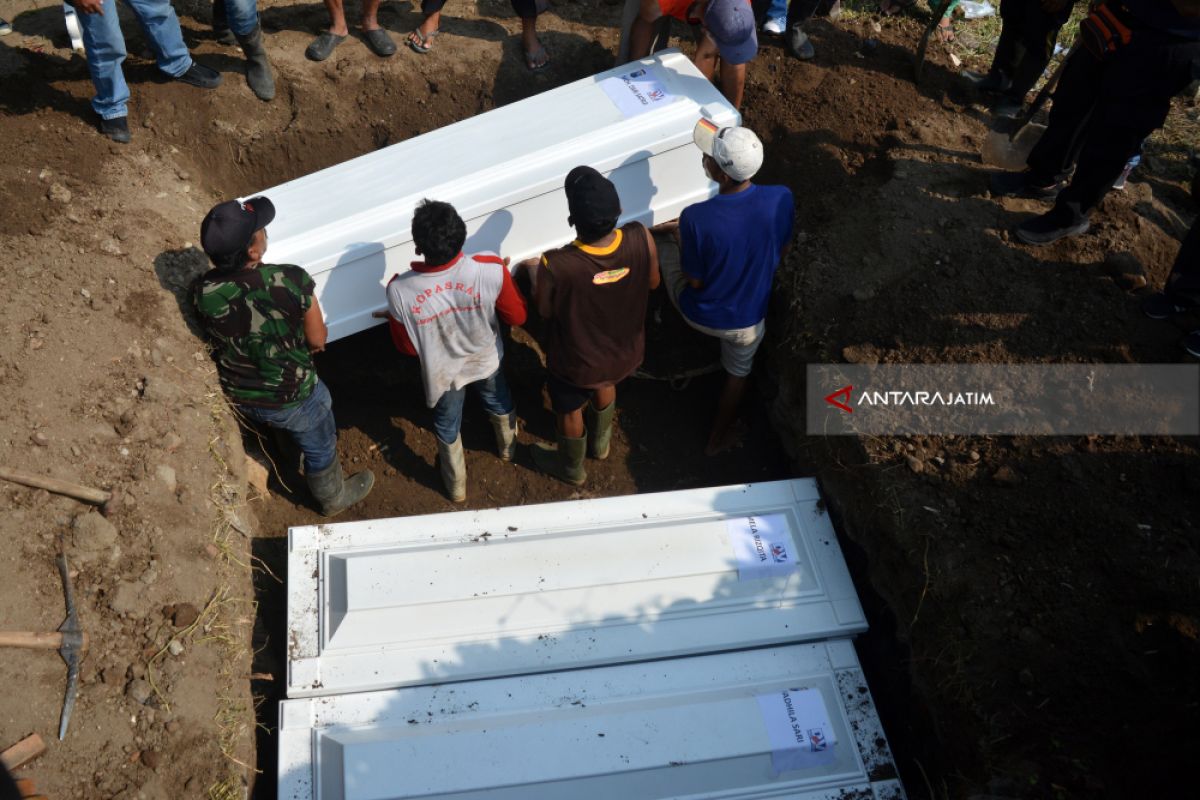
(1103, 156)
(1184, 280)
(1133, 95)
(1032, 46)
(1074, 100)
(1012, 21)
(801, 11)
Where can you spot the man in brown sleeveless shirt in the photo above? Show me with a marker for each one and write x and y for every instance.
(592, 297)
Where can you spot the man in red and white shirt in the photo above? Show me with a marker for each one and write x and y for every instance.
(447, 311)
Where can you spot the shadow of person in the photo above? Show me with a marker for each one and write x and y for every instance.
(28, 75)
(177, 272)
(572, 57)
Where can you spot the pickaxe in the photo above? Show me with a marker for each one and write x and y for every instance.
(70, 641)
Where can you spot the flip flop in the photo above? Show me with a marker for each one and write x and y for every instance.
(423, 43)
(322, 46)
(380, 43)
(945, 31)
(533, 57)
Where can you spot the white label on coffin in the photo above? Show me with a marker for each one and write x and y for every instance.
(798, 726)
(636, 92)
(349, 224)
(415, 600)
(682, 728)
(762, 546)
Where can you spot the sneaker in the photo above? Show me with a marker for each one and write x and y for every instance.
(116, 129)
(1023, 184)
(776, 25)
(1161, 305)
(200, 76)
(1050, 227)
(1191, 343)
(5, 27)
(799, 45)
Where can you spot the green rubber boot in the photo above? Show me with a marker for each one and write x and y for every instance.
(600, 424)
(335, 492)
(565, 461)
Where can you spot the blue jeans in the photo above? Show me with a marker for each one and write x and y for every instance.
(242, 15)
(310, 423)
(778, 10)
(447, 413)
(105, 45)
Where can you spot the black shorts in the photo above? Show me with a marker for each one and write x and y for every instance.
(566, 397)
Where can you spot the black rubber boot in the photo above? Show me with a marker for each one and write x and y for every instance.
(220, 24)
(336, 493)
(258, 69)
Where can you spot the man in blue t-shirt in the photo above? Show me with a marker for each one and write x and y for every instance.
(729, 248)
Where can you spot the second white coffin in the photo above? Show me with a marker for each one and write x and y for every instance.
(475, 594)
(794, 722)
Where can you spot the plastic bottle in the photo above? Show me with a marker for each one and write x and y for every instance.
(973, 10)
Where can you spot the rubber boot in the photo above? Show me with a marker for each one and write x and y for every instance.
(258, 69)
(505, 426)
(600, 424)
(454, 469)
(565, 461)
(220, 24)
(334, 492)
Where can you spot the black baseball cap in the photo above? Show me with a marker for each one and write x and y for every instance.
(591, 198)
(230, 226)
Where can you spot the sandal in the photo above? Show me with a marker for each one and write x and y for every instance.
(537, 59)
(380, 43)
(421, 43)
(945, 31)
(322, 46)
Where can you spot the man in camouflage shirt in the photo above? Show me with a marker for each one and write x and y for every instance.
(264, 323)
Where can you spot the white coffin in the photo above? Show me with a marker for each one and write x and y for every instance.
(348, 225)
(681, 728)
(474, 594)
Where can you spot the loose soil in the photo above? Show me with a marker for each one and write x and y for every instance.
(1034, 602)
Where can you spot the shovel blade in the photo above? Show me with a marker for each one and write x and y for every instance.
(999, 150)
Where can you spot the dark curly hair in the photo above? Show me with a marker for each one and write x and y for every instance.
(438, 231)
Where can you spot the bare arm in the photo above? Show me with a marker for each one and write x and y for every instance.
(706, 56)
(642, 31)
(655, 273)
(315, 331)
(733, 83)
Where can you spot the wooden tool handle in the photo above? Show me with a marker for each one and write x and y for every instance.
(43, 641)
(84, 493)
(23, 752)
